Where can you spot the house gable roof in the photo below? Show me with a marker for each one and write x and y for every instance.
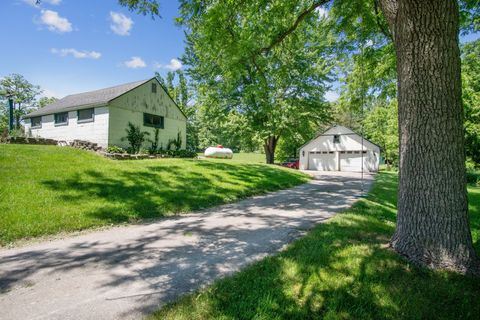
(86, 99)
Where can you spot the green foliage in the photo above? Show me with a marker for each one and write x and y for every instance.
(181, 92)
(247, 94)
(177, 153)
(381, 127)
(176, 143)
(84, 190)
(115, 149)
(135, 137)
(471, 98)
(473, 177)
(342, 269)
(24, 95)
(45, 101)
(154, 143)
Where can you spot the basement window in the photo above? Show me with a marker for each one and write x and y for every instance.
(152, 120)
(154, 88)
(36, 122)
(61, 119)
(85, 115)
(336, 138)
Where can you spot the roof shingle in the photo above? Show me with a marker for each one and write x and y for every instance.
(86, 99)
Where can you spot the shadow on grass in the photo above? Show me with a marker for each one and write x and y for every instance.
(158, 190)
(340, 270)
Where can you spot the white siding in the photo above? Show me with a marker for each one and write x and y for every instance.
(130, 108)
(95, 131)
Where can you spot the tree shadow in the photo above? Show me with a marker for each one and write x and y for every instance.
(154, 263)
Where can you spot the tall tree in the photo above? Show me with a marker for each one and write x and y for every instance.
(24, 95)
(275, 93)
(433, 225)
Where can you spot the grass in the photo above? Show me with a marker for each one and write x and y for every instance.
(341, 270)
(46, 190)
(250, 157)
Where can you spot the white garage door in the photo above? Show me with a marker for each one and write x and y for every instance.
(351, 161)
(322, 161)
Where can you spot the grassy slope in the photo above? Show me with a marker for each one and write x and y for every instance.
(46, 189)
(341, 270)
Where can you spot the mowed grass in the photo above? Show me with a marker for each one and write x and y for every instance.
(341, 269)
(47, 190)
(250, 157)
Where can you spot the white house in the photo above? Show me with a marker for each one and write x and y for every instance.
(101, 116)
(339, 149)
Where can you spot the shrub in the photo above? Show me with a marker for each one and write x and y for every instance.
(154, 143)
(178, 153)
(175, 144)
(473, 177)
(115, 149)
(135, 137)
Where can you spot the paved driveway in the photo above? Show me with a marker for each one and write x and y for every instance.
(127, 272)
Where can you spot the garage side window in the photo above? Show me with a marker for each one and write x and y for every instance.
(85, 115)
(152, 120)
(336, 138)
(36, 122)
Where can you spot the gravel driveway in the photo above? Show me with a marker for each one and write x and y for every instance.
(127, 272)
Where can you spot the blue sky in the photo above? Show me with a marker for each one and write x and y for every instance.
(71, 46)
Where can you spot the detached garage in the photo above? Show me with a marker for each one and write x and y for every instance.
(339, 149)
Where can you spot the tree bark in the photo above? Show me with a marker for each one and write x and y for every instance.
(269, 146)
(432, 224)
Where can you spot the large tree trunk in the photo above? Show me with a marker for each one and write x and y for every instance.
(433, 224)
(269, 146)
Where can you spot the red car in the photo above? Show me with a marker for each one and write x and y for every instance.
(291, 163)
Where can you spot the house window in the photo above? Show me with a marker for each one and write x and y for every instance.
(36, 122)
(61, 118)
(85, 115)
(154, 88)
(152, 120)
(336, 138)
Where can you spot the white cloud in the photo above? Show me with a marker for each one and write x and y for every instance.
(76, 53)
(121, 24)
(331, 96)
(135, 62)
(55, 22)
(174, 64)
(322, 12)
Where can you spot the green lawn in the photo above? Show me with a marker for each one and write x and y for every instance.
(250, 157)
(47, 189)
(341, 270)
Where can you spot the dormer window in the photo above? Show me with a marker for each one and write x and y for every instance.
(336, 138)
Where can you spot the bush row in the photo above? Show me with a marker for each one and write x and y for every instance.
(158, 153)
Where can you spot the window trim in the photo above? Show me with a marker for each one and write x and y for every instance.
(92, 119)
(57, 124)
(162, 124)
(154, 87)
(36, 127)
